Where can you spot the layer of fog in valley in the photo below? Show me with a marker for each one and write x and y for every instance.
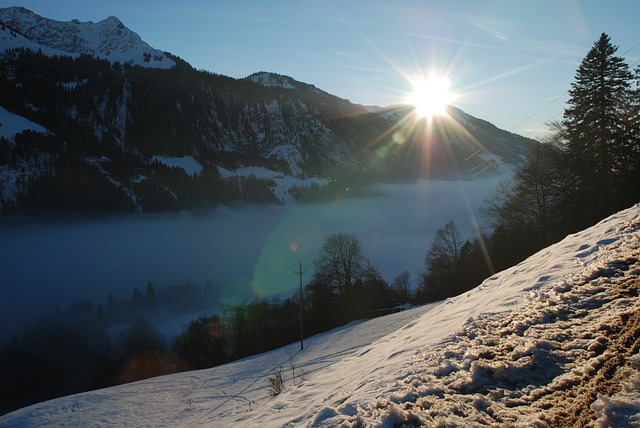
(246, 252)
(551, 341)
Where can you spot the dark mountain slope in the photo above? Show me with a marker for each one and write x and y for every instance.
(111, 122)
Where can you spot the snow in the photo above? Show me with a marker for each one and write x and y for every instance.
(272, 80)
(9, 40)
(187, 163)
(284, 183)
(552, 341)
(108, 39)
(12, 124)
(623, 408)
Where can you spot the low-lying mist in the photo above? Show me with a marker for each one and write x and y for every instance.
(246, 252)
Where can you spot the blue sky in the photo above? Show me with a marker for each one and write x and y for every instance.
(507, 60)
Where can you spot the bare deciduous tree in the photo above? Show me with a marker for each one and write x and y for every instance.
(533, 200)
(441, 275)
(402, 285)
(340, 262)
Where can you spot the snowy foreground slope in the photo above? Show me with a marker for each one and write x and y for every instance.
(552, 341)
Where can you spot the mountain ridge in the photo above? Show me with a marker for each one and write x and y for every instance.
(108, 39)
(98, 104)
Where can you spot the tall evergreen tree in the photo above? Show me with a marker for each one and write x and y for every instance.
(629, 147)
(595, 126)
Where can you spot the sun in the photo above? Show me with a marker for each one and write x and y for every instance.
(431, 96)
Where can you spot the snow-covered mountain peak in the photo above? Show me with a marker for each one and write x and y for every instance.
(113, 19)
(108, 39)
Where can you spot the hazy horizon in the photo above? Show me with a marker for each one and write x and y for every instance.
(246, 252)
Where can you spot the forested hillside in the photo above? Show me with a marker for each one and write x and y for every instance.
(110, 127)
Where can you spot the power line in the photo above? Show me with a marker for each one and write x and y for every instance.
(630, 49)
(542, 109)
(417, 206)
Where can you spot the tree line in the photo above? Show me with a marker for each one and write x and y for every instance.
(60, 180)
(87, 346)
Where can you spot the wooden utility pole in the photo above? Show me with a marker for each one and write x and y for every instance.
(300, 272)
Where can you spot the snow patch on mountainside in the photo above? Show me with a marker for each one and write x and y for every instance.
(272, 80)
(108, 39)
(12, 124)
(187, 163)
(284, 183)
(9, 39)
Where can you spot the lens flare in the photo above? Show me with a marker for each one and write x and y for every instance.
(290, 240)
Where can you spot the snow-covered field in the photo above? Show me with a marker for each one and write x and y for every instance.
(553, 341)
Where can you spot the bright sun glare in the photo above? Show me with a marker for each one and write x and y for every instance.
(431, 96)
